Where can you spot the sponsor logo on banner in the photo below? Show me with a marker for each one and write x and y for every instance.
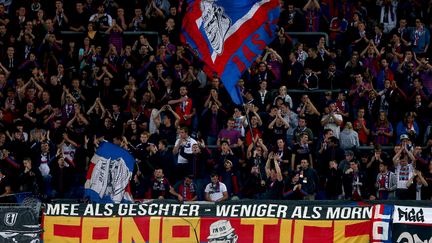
(10, 218)
(412, 215)
(412, 224)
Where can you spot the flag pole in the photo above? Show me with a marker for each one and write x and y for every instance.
(250, 127)
(246, 114)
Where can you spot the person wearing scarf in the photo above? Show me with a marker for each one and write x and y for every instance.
(420, 38)
(385, 183)
(216, 191)
(354, 182)
(188, 189)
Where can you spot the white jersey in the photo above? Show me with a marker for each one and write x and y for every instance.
(215, 191)
(403, 174)
(185, 149)
(332, 124)
(68, 153)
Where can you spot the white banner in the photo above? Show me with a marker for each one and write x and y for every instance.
(412, 215)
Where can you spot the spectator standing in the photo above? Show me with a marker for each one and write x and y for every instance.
(78, 19)
(309, 179)
(301, 151)
(183, 150)
(354, 182)
(404, 171)
(274, 181)
(332, 120)
(349, 138)
(333, 182)
(362, 127)
(184, 107)
(418, 188)
(386, 183)
(420, 37)
(101, 19)
(300, 129)
(30, 179)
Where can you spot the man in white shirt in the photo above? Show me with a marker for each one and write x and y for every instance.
(332, 120)
(102, 20)
(183, 148)
(216, 191)
(403, 170)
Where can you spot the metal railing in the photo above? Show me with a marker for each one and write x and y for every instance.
(152, 35)
(307, 34)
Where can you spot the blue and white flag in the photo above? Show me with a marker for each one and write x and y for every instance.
(109, 174)
(229, 35)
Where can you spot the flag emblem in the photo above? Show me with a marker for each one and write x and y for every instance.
(229, 35)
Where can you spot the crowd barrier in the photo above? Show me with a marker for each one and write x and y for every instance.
(129, 37)
(242, 222)
(155, 35)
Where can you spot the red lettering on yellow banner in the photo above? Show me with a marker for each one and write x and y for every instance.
(311, 229)
(90, 225)
(258, 231)
(132, 232)
(355, 231)
(52, 236)
(169, 224)
(185, 230)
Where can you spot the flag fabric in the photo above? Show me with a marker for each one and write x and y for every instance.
(229, 35)
(109, 175)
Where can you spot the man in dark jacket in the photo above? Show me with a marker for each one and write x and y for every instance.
(308, 178)
(333, 182)
(354, 182)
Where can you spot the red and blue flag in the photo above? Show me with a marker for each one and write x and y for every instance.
(109, 175)
(229, 35)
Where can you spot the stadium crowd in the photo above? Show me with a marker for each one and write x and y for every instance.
(75, 73)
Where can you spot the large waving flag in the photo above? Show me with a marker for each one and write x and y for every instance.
(109, 175)
(228, 35)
